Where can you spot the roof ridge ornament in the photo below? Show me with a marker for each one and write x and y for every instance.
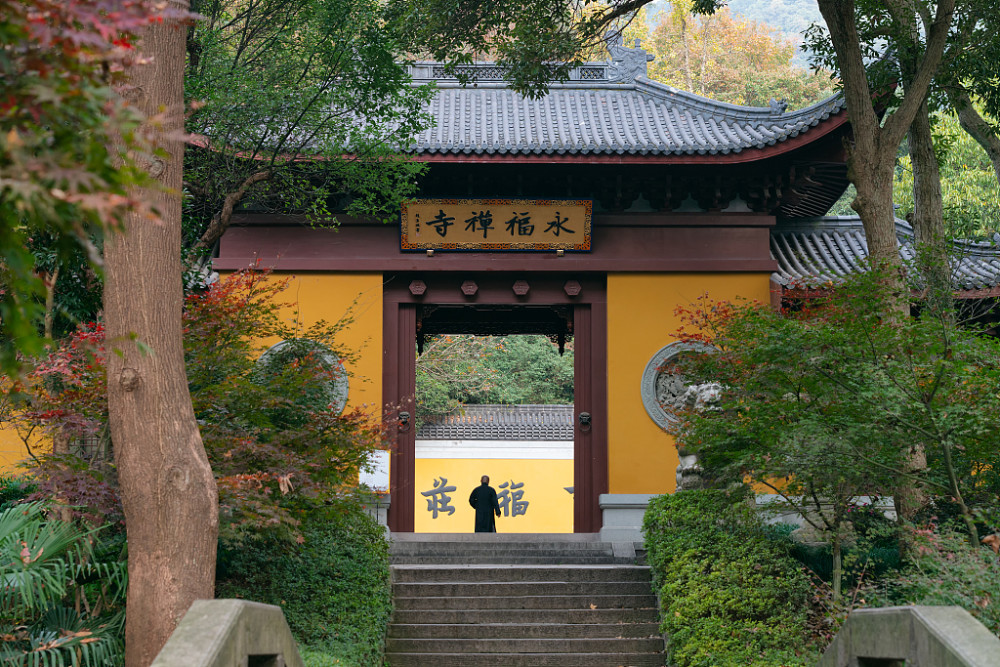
(625, 64)
(778, 106)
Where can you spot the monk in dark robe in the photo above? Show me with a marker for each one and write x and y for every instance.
(484, 500)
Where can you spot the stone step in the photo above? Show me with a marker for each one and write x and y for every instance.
(508, 645)
(563, 617)
(654, 659)
(443, 573)
(500, 552)
(528, 602)
(518, 588)
(550, 601)
(434, 547)
(486, 559)
(517, 630)
(562, 538)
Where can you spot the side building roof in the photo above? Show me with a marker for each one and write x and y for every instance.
(605, 109)
(502, 422)
(813, 251)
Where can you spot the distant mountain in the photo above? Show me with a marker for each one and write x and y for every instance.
(789, 18)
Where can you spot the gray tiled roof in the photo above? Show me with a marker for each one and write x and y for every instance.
(599, 111)
(502, 422)
(816, 250)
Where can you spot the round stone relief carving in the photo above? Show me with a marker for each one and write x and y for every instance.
(663, 390)
(334, 392)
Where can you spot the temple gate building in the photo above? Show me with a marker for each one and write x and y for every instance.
(592, 212)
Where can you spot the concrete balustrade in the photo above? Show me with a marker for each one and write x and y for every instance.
(230, 633)
(914, 637)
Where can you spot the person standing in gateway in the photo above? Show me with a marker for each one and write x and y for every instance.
(484, 500)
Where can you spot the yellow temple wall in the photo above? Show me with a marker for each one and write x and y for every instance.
(641, 320)
(549, 509)
(13, 450)
(333, 297)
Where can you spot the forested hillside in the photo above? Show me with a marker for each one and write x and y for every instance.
(726, 56)
(787, 17)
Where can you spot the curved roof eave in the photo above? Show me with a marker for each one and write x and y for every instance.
(814, 252)
(634, 121)
(801, 140)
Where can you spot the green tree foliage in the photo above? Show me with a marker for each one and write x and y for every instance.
(829, 402)
(457, 369)
(969, 186)
(529, 369)
(967, 83)
(44, 619)
(68, 145)
(729, 596)
(938, 198)
(724, 57)
(297, 106)
(452, 367)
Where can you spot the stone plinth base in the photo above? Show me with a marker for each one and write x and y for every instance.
(622, 516)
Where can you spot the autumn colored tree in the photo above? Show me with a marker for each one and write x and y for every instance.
(274, 431)
(78, 163)
(727, 58)
(64, 133)
(278, 443)
(631, 28)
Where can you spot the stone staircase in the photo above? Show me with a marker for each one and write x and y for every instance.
(516, 600)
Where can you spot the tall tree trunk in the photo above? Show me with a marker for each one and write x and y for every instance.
(928, 216)
(838, 565)
(871, 158)
(167, 487)
(871, 172)
(51, 280)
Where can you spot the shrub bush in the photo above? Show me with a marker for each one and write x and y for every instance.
(334, 588)
(61, 602)
(13, 490)
(729, 595)
(943, 569)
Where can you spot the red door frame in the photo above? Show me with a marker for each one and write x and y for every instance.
(587, 294)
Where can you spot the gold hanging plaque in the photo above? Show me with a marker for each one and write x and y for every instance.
(496, 224)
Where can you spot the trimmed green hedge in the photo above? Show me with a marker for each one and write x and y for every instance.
(335, 588)
(729, 595)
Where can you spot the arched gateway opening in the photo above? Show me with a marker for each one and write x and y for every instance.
(416, 305)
